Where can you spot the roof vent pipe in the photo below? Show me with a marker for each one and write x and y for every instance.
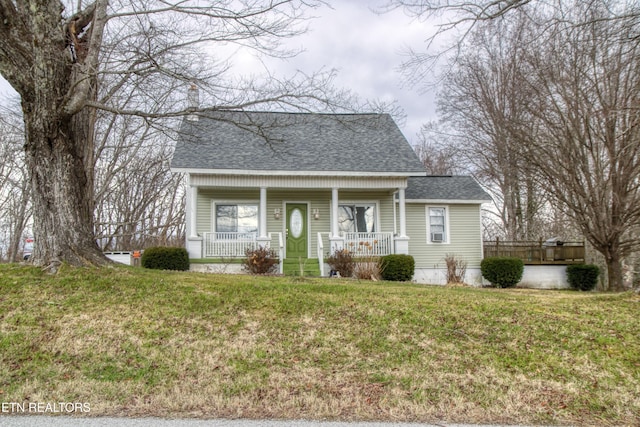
(193, 98)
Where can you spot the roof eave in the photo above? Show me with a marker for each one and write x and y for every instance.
(449, 201)
(293, 172)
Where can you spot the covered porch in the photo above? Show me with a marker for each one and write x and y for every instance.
(304, 222)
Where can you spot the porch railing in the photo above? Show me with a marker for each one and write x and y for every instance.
(235, 245)
(280, 251)
(532, 252)
(321, 254)
(369, 244)
(228, 245)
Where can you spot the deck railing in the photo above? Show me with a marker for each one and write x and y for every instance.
(537, 252)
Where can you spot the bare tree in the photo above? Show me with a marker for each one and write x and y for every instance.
(483, 100)
(437, 150)
(579, 130)
(459, 19)
(139, 202)
(586, 79)
(15, 207)
(53, 54)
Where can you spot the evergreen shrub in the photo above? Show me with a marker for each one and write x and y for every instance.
(503, 272)
(583, 277)
(163, 258)
(398, 268)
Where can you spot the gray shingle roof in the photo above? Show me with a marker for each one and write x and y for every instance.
(268, 141)
(445, 188)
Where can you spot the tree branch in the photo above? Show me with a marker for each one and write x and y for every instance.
(15, 52)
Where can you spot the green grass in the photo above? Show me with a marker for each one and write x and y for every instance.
(141, 342)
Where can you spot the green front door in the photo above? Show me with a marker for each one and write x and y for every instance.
(296, 230)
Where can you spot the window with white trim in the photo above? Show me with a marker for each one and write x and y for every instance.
(236, 218)
(359, 218)
(437, 225)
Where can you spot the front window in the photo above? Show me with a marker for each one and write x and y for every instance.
(437, 225)
(237, 218)
(357, 218)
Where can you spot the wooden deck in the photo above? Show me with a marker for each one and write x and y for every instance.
(537, 252)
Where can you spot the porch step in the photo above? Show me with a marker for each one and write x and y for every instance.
(309, 267)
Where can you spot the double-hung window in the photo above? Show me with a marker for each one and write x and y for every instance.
(236, 218)
(360, 218)
(437, 221)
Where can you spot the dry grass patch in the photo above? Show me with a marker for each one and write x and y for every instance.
(136, 342)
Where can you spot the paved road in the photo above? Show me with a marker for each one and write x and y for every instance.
(62, 421)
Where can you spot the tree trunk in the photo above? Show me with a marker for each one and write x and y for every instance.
(62, 186)
(19, 222)
(60, 79)
(614, 272)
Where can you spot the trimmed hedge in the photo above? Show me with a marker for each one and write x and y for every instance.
(163, 258)
(398, 268)
(503, 272)
(583, 277)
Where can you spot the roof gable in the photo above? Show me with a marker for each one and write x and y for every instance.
(268, 141)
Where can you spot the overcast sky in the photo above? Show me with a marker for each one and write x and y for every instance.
(366, 50)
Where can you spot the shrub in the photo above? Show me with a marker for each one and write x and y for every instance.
(583, 276)
(163, 258)
(366, 263)
(260, 261)
(342, 262)
(368, 268)
(456, 269)
(503, 272)
(398, 267)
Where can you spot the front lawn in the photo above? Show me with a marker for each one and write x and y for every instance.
(134, 342)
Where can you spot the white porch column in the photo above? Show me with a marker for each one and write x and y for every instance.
(402, 241)
(334, 212)
(263, 236)
(336, 241)
(403, 215)
(262, 225)
(194, 242)
(193, 211)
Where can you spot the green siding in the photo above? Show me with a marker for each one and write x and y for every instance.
(207, 196)
(276, 199)
(385, 204)
(465, 236)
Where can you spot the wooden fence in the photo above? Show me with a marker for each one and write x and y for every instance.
(537, 252)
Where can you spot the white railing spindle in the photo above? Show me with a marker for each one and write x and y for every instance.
(369, 244)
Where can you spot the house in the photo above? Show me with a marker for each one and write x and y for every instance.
(307, 184)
